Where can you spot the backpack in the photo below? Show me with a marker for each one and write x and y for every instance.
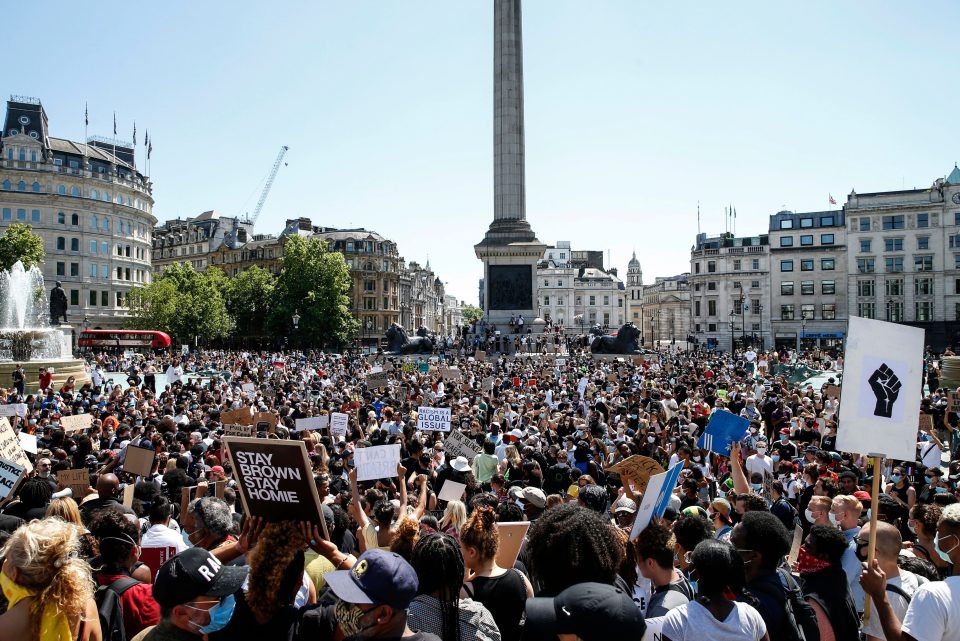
(801, 620)
(108, 607)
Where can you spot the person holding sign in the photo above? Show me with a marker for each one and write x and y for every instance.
(379, 533)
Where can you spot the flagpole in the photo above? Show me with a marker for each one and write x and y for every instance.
(86, 124)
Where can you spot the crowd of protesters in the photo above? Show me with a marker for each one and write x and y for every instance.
(770, 543)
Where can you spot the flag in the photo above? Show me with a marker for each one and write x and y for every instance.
(146, 139)
(86, 115)
(134, 133)
(832, 201)
(149, 150)
(114, 123)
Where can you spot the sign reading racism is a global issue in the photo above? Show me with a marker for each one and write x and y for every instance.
(275, 480)
(436, 419)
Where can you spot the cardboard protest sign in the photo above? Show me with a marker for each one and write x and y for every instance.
(10, 448)
(451, 491)
(459, 444)
(953, 401)
(435, 419)
(239, 430)
(275, 480)
(638, 468)
(77, 480)
(655, 499)
(480, 355)
(14, 409)
(723, 429)
(139, 460)
(487, 383)
(378, 462)
(76, 422)
(338, 424)
(28, 442)
(128, 495)
(240, 416)
(313, 423)
(10, 475)
(377, 380)
(882, 375)
(511, 539)
(451, 374)
(266, 421)
(926, 423)
(831, 391)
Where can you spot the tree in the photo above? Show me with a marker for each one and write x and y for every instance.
(182, 302)
(248, 296)
(20, 243)
(472, 313)
(314, 283)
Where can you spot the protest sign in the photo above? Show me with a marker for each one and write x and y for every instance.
(28, 442)
(487, 383)
(138, 460)
(459, 444)
(451, 374)
(831, 391)
(76, 422)
(723, 429)
(77, 480)
(275, 480)
(10, 448)
(654, 631)
(953, 401)
(480, 355)
(656, 498)
(638, 469)
(376, 380)
(128, 495)
(436, 419)
(313, 423)
(882, 375)
(511, 539)
(10, 474)
(408, 366)
(338, 424)
(451, 491)
(424, 368)
(378, 462)
(14, 409)
(561, 362)
(266, 421)
(926, 423)
(239, 430)
(240, 416)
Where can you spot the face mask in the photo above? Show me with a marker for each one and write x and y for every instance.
(348, 618)
(927, 479)
(807, 563)
(650, 439)
(910, 526)
(833, 518)
(809, 515)
(784, 438)
(219, 615)
(756, 486)
(753, 430)
(776, 458)
(895, 478)
(944, 554)
(940, 490)
(697, 459)
(186, 537)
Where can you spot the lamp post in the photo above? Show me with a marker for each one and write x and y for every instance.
(803, 331)
(296, 326)
(368, 329)
(760, 308)
(653, 331)
(743, 323)
(733, 338)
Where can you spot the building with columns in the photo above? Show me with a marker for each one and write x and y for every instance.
(193, 240)
(555, 284)
(664, 313)
(634, 291)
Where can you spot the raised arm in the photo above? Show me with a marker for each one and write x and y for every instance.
(740, 484)
(402, 482)
(422, 501)
(356, 511)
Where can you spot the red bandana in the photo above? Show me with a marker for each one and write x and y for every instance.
(808, 564)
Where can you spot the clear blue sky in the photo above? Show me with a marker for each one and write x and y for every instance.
(635, 111)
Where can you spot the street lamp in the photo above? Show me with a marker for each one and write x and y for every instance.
(653, 332)
(803, 331)
(368, 329)
(732, 324)
(760, 308)
(296, 325)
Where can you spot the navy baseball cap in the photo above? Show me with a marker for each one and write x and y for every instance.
(378, 577)
(193, 573)
(591, 611)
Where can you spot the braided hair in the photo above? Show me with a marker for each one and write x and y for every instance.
(438, 562)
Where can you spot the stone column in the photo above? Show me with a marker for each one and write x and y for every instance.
(508, 134)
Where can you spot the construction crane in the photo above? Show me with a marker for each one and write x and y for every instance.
(252, 218)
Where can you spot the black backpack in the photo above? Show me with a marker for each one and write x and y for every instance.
(108, 607)
(801, 620)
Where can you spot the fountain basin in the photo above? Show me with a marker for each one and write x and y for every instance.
(63, 368)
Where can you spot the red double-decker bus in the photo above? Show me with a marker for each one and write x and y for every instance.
(123, 339)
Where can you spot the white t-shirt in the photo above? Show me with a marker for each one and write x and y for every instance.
(931, 454)
(693, 621)
(762, 466)
(934, 612)
(908, 582)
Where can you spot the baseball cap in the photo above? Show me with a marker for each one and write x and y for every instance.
(591, 611)
(378, 577)
(193, 573)
(534, 496)
(625, 504)
(786, 431)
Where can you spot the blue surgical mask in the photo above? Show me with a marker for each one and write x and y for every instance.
(219, 615)
(775, 457)
(945, 555)
(895, 478)
(927, 479)
(940, 490)
(756, 486)
(186, 537)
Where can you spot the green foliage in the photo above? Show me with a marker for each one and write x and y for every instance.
(182, 302)
(314, 282)
(248, 296)
(20, 243)
(472, 313)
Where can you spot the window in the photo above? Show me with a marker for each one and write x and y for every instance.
(956, 261)
(806, 240)
(786, 312)
(755, 264)
(786, 224)
(74, 269)
(62, 190)
(61, 269)
(894, 264)
(864, 224)
(736, 265)
(61, 243)
(806, 223)
(6, 185)
(923, 242)
(923, 263)
(104, 272)
(827, 264)
(923, 286)
(93, 270)
(806, 265)
(21, 214)
(75, 297)
(593, 301)
(711, 266)
(828, 287)
(696, 268)
(559, 283)
(22, 185)
(696, 303)
(737, 284)
(893, 222)
(956, 218)
(74, 220)
(864, 245)
(712, 286)
(75, 191)
(827, 221)
(606, 300)
(711, 308)
(786, 241)
(866, 288)
(546, 283)
(369, 286)
(105, 248)
(866, 265)
(893, 287)
(35, 187)
(828, 311)
(35, 215)
(61, 218)
(893, 244)
(74, 244)
(7, 213)
(807, 288)
(95, 194)
(546, 300)
(786, 288)
(807, 311)
(711, 327)
(93, 298)
(923, 220)
(755, 284)
(119, 299)
(867, 310)
(786, 265)
(826, 239)
(895, 311)
(104, 298)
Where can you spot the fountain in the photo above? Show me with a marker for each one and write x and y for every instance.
(25, 335)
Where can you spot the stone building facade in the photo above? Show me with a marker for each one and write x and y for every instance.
(664, 313)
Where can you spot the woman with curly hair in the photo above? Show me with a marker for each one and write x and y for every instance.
(48, 586)
(275, 589)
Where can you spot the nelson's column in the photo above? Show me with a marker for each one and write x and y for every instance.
(510, 249)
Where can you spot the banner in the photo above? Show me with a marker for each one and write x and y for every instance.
(246, 431)
(435, 419)
(14, 409)
(459, 444)
(275, 480)
(656, 499)
(638, 468)
(138, 460)
(10, 474)
(723, 429)
(75, 422)
(338, 424)
(313, 423)
(882, 379)
(10, 448)
(378, 462)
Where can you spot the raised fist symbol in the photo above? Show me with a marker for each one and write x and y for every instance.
(886, 387)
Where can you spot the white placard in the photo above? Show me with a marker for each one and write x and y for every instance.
(451, 491)
(880, 397)
(10, 448)
(14, 409)
(655, 494)
(338, 424)
(10, 473)
(654, 631)
(28, 442)
(248, 387)
(313, 423)
(434, 419)
(75, 422)
(459, 444)
(378, 462)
